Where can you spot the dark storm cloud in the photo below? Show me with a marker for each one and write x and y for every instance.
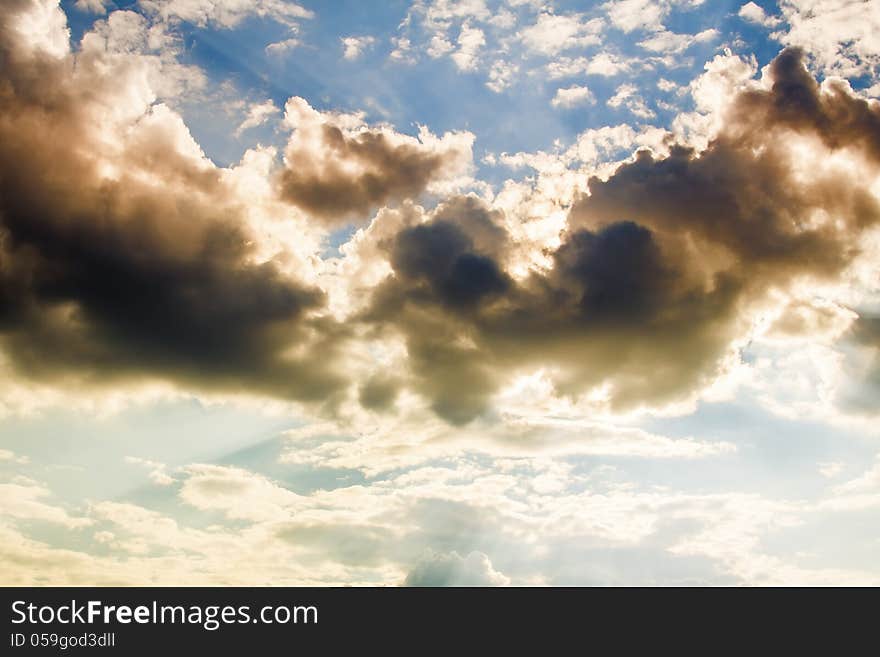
(862, 391)
(866, 330)
(441, 256)
(379, 392)
(613, 307)
(451, 259)
(795, 101)
(659, 266)
(117, 278)
(619, 271)
(445, 274)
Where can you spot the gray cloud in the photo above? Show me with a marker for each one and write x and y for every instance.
(379, 392)
(114, 277)
(862, 390)
(794, 102)
(658, 268)
(435, 569)
(334, 194)
(339, 173)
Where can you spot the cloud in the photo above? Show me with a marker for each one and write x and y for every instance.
(402, 50)
(572, 96)
(868, 483)
(630, 15)
(603, 63)
(669, 42)
(10, 457)
(530, 423)
(454, 570)
(93, 6)
(810, 320)
(338, 169)
(647, 15)
(831, 469)
(859, 395)
(379, 392)
(225, 13)
(157, 471)
(626, 96)
(652, 284)
(279, 48)
(355, 46)
(554, 33)
(257, 115)
(435, 23)
(439, 13)
(839, 34)
(23, 499)
(797, 103)
(755, 14)
(541, 522)
(126, 255)
(470, 41)
(237, 493)
(501, 76)
(153, 264)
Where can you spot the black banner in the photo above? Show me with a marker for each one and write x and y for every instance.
(130, 621)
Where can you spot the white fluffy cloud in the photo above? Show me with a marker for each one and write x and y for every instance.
(572, 97)
(93, 6)
(470, 41)
(840, 34)
(603, 63)
(555, 33)
(225, 13)
(629, 15)
(355, 46)
(501, 75)
(669, 42)
(513, 522)
(257, 115)
(627, 96)
(755, 14)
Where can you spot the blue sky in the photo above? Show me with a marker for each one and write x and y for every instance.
(736, 448)
(434, 92)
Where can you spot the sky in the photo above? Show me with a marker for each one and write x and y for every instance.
(478, 292)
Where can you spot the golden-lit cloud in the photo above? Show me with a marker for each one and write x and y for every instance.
(661, 263)
(338, 169)
(127, 255)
